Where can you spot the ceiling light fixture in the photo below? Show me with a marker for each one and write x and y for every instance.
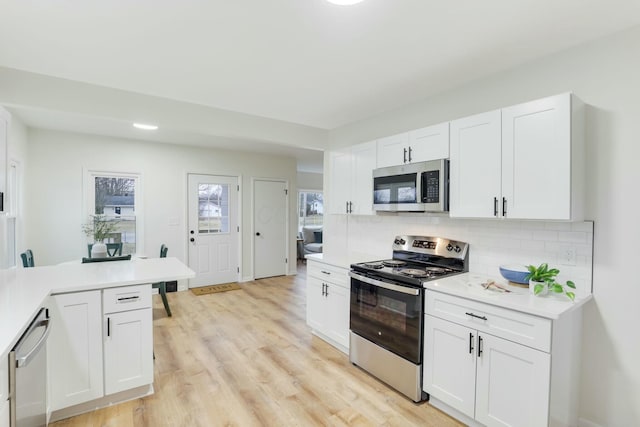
(145, 127)
(344, 2)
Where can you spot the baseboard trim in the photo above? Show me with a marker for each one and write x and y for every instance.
(103, 402)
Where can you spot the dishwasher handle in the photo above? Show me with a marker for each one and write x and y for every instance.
(23, 361)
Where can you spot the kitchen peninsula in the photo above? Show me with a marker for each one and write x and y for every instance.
(102, 286)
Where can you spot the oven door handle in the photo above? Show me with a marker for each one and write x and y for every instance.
(385, 285)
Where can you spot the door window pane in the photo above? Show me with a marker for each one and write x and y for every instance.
(213, 208)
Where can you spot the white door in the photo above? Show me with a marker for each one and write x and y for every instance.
(213, 229)
(270, 228)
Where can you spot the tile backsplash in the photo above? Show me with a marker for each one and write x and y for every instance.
(567, 246)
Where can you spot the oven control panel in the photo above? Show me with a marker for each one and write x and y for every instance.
(424, 244)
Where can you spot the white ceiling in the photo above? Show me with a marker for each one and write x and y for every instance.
(301, 61)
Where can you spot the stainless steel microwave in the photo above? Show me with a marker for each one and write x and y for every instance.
(416, 187)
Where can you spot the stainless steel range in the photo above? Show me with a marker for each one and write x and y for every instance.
(387, 308)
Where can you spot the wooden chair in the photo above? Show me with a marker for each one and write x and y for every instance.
(111, 258)
(27, 259)
(162, 286)
(113, 249)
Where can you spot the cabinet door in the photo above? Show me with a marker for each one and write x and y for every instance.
(315, 304)
(74, 349)
(430, 143)
(337, 314)
(475, 169)
(512, 385)
(340, 181)
(393, 150)
(363, 161)
(536, 159)
(449, 369)
(128, 350)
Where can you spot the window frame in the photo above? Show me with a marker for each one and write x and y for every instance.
(301, 190)
(89, 176)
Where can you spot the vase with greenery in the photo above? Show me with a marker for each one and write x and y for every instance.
(542, 279)
(100, 227)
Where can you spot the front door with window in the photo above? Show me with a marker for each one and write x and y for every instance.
(213, 229)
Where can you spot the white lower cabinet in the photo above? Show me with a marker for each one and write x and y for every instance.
(495, 381)
(4, 390)
(74, 349)
(494, 366)
(101, 343)
(328, 293)
(128, 350)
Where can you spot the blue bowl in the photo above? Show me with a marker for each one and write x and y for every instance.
(515, 273)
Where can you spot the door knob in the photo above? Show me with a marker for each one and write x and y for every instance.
(192, 239)
(257, 234)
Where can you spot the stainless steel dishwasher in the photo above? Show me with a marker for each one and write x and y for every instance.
(28, 375)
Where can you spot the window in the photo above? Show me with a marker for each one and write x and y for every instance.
(116, 196)
(213, 208)
(310, 208)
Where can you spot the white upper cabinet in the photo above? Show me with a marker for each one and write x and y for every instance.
(475, 165)
(392, 150)
(429, 143)
(521, 162)
(351, 179)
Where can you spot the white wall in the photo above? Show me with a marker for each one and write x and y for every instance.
(54, 210)
(309, 181)
(17, 152)
(604, 74)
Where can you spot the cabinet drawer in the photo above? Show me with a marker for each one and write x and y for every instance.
(330, 273)
(512, 325)
(126, 298)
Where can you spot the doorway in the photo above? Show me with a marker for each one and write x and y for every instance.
(270, 225)
(213, 229)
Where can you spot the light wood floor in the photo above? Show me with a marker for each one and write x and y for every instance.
(247, 358)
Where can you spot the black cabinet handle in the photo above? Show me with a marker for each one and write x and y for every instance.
(409, 154)
(495, 206)
(479, 345)
(326, 290)
(476, 316)
(470, 343)
(504, 206)
(325, 272)
(404, 157)
(350, 207)
(258, 233)
(192, 240)
(346, 207)
(108, 326)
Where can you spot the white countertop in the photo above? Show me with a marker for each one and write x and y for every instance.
(468, 285)
(24, 290)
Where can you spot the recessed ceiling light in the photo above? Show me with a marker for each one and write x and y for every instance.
(344, 2)
(145, 127)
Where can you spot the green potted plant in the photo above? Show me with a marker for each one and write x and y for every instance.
(542, 279)
(100, 227)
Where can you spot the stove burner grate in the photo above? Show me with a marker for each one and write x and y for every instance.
(413, 272)
(394, 263)
(374, 265)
